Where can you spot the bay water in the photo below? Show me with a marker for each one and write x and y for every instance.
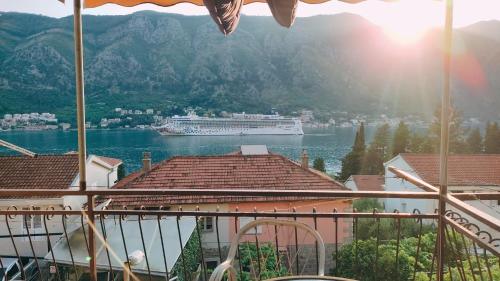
(129, 144)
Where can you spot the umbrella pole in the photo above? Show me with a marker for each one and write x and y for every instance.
(445, 137)
(80, 100)
(80, 114)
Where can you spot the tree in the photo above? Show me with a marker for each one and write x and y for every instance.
(492, 138)
(319, 164)
(351, 163)
(373, 161)
(456, 132)
(121, 173)
(401, 139)
(357, 260)
(475, 141)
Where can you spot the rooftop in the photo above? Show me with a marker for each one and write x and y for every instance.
(233, 171)
(41, 172)
(463, 169)
(368, 182)
(113, 162)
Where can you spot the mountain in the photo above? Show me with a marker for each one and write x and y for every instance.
(168, 61)
(489, 29)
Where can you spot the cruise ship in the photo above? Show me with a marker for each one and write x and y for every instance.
(237, 124)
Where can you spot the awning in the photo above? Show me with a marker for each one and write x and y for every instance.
(131, 230)
(226, 13)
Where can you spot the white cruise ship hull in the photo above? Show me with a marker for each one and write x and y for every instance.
(244, 125)
(228, 132)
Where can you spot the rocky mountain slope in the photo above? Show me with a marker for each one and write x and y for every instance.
(168, 61)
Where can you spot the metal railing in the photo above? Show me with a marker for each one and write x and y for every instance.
(112, 244)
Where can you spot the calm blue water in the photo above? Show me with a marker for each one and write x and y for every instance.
(128, 145)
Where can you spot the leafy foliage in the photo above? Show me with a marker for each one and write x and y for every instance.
(319, 164)
(187, 264)
(373, 161)
(492, 138)
(122, 172)
(401, 139)
(475, 141)
(266, 256)
(351, 163)
(359, 260)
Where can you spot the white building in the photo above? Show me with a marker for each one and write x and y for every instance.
(65, 126)
(150, 111)
(46, 172)
(467, 173)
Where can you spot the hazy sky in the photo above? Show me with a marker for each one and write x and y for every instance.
(399, 14)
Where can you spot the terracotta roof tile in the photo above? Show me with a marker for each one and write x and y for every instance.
(110, 161)
(41, 172)
(369, 182)
(463, 169)
(255, 172)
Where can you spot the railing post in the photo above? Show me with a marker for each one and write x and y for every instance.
(80, 101)
(91, 229)
(445, 136)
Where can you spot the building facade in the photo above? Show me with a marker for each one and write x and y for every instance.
(251, 168)
(45, 172)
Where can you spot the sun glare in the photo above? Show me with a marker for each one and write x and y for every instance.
(406, 22)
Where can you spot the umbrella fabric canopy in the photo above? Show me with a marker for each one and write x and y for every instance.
(226, 13)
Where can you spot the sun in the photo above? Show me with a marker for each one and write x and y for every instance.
(407, 32)
(406, 22)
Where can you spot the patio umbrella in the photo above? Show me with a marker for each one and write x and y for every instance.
(226, 13)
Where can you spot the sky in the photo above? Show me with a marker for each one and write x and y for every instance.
(403, 15)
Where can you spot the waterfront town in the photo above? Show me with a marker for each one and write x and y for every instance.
(143, 119)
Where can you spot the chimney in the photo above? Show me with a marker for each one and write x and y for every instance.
(146, 161)
(305, 159)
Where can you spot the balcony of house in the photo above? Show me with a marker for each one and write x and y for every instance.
(207, 238)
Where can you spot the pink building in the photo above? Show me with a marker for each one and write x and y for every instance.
(251, 168)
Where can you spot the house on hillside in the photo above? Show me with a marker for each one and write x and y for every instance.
(253, 168)
(466, 172)
(45, 172)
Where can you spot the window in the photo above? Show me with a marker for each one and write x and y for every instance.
(211, 264)
(403, 207)
(245, 221)
(207, 224)
(33, 224)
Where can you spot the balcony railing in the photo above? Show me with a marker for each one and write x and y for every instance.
(186, 244)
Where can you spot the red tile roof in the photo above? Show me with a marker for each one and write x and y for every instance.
(255, 172)
(41, 172)
(369, 182)
(463, 169)
(110, 161)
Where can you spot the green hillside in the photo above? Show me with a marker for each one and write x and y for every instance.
(169, 61)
